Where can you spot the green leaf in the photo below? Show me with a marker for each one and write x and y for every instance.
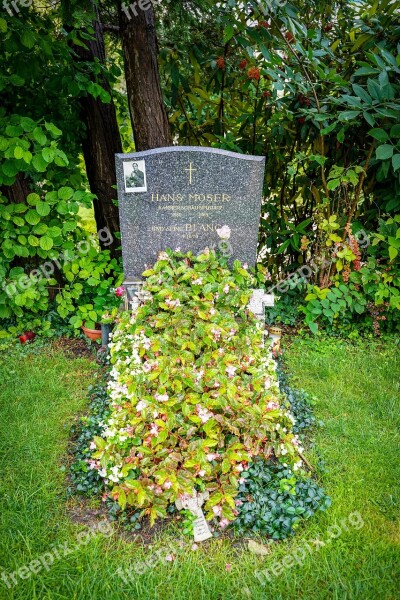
(39, 136)
(33, 199)
(28, 38)
(361, 93)
(385, 151)
(65, 193)
(48, 154)
(229, 32)
(42, 208)
(396, 161)
(347, 115)
(46, 243)
(393, 252)
(395, 131)
(18, 152)
(33, 241)
(32, 217)
(3, 25)
(379, 134)
(314, 327)
(55, 132)
(39, 163)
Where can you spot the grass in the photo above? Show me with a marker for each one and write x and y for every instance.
(357, 389)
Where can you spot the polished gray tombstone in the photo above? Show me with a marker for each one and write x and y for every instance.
(178, 197)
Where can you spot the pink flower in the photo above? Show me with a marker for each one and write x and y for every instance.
(245, 266)
(154, 429)
(228, 567)
(272, 406)
(92, 446)
(147, 367)
(120, 291)
(224, 523)
(168, 485)
(238, 502)
(202, 473)
(170, 558)
(195, 547)
(226, 289)
(217, 510)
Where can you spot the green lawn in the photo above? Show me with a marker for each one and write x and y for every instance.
(357, 391)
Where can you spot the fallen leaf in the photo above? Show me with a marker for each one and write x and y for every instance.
(259, 549)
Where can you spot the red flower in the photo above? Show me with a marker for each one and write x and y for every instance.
(120, 291)
(221, 62)
(267, 94)
(23, 339)
(254, 73)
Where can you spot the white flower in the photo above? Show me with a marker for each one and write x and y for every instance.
(224, 232)
(141, 405)
(226, 289)
(162, 397)
(230, 369)
(198, 281)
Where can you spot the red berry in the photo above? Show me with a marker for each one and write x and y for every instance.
(254, 73)
(30, 335)
(221, 62)
(290, 37)
(267, 94)
(243, 64)
(301, 120)
(23, 339)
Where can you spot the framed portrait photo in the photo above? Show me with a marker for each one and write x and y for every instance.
(135, 176)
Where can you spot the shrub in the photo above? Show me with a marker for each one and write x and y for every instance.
(194, 394)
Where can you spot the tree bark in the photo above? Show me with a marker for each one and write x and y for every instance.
(102, 140)
(146, 105)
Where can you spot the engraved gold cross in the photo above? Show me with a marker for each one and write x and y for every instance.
(191, 169)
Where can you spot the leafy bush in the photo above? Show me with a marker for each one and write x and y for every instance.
(194, 394)
(273, 499)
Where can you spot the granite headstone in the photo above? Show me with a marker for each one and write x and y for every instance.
(178, 197)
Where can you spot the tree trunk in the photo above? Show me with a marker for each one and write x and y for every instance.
(102, 141)
(146, 105)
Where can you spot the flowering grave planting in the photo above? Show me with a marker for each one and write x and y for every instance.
(193, 391)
